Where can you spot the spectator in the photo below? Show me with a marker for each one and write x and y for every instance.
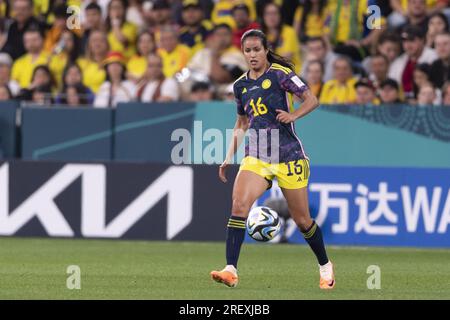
(174, 54)
(116, 89)
(421, 77)
(317, 49)
(41, 95)
(161, 17)
(121, 34)
(288, 8)
(195, 28)
(314, 76)
(52, 43)
(24, 66)
(446, 94)
(223, 11)
(437, 24)
(5, 93)
(427, 95)
(93, 22)
(93, 72)
(388, 44)
(416, 15)
(310, 20)
(73, 76)
(241, 16)
(389, 92)
(220, 61)
(401, 9)
(366, 93)
(201, 91)
(67, 51)
(74, 95)
(379, 66)
(5, 74)
(23, 20)
(281, 37)
(41, 78)
(341, 89)
(440, 69)
(402, 69)
(348, 28)
(158, 87)
(137, 65)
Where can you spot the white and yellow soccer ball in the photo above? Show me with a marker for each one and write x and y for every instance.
(263, 224)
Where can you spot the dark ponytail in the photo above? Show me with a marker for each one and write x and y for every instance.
(272, 57)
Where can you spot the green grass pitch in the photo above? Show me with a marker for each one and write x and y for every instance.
(112, 269)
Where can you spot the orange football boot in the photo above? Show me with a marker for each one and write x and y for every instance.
(327, 281)
(227, 277)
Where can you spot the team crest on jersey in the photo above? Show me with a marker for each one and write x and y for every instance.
(266, 84)
(244, 91)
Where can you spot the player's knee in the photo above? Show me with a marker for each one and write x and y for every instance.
(303, 222)
(241, 207)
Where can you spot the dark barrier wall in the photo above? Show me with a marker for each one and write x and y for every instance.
(8, 132)
(142, 131)
(67, 133)
(379, 136)
(130, 201)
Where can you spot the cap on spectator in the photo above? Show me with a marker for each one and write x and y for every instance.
(191, 4)
(200, 86)
(5, 59)
(412, 32)
(161, 4)
(390, 83)
(114, 57)
(364, 82)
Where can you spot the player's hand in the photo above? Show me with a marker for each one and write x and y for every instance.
(222, 171)
(285, 117)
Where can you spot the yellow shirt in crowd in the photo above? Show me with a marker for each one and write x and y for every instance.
(289, 46)
(130, 31)
(316, 25)
(334, 92)
(23, 67)
(176, 60)
(93, 74)
(222, 11)
(430, 4)
(137, 66)
(344, 18)
(2, 9)
(58, 64)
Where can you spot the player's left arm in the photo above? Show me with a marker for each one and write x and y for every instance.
(293, 84)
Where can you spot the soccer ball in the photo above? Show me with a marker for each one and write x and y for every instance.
(263, 224)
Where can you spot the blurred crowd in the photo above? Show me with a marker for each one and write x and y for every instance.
(100, 53)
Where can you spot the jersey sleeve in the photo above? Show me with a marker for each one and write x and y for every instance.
(237, 99)
(291, 82)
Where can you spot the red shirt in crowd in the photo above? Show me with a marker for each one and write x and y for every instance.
(237, 34)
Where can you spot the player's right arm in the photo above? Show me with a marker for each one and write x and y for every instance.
(240, 128)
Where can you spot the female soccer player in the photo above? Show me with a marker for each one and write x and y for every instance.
(264, 105)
